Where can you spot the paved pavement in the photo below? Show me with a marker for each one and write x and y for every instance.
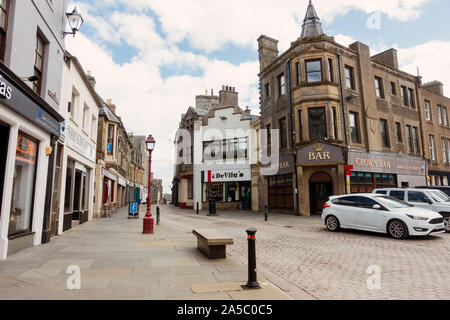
(118, 262)
(297, 253)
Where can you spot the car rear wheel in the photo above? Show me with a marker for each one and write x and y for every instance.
(397, 229)
(332, 224)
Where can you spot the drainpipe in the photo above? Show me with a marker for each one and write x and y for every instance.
(422, 130)
(343, 116)
(293, 135)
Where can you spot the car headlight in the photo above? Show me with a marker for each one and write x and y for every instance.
(417, 218)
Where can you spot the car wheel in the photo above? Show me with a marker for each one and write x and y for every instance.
(332, 224)
(398, 230)
(447, 223)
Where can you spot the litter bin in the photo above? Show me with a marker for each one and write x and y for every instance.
(212, 207)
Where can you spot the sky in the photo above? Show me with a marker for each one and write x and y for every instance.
(152, 57)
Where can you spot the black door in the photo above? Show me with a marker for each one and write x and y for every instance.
(77, 196)
(320, 193)
(4, 143)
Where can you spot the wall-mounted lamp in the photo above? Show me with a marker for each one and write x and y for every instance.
(48, 151)
(31, 79)
(75, 22)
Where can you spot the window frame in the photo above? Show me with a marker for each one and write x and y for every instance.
(428, 111)
(4, 31)
(37, 85)
(398, 132)
(393, 88)
(405, 100)
(281, 85)
(432, 147)
(386, 139)
(310, 72)
(350, 78)
(297, 73)
(356, 120)
(283, 133)
(379, 89)
(330, 70)
(324, 124)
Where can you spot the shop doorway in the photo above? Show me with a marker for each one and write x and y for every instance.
(4, 143)
(246, 195)
(77, 195)
(320, 190)
(54, 218)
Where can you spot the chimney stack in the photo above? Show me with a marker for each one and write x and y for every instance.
(228, 97)
(111, 106)
(91, 79)
(247, 110)
(268, 51)
(436, 87)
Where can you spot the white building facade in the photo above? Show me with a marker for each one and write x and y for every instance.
(76, 159)
(222, 155)
(31, 55)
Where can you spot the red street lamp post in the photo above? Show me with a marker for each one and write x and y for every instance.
(148, 220)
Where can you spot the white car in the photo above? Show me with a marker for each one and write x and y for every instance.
(434, 200)
(381, 214)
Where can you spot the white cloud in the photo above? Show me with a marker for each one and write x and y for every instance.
(150, 103)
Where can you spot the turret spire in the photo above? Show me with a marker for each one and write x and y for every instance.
(312, 27)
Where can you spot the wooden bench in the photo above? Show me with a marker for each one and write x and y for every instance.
(212, 243)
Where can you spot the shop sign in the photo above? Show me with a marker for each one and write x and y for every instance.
(227, 175)
(320, 153)
(22, 104)
(284, 166)
(386, 164)
(122, 182)
(109, 175)
(77, 143)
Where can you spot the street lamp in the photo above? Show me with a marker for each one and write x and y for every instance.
(75, 21)
(148, 220)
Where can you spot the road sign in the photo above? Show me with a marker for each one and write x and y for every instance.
(108, 147)
(133, 210)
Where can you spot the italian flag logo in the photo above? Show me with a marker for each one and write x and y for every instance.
(207, 176)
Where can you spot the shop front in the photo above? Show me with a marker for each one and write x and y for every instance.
(109, 189)
(78, 180)
(121, 191)
(29, 128)
(371, 171)
(438, 178)
(320, 174)
(231, 189)
(281, 185)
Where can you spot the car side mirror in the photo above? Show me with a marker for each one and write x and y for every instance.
(377, 207)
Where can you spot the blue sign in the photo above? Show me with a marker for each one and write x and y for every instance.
(109, 147)
(133, 208)
(133, 211)
(63, 126)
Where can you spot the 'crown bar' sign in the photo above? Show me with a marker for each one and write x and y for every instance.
(320, 153)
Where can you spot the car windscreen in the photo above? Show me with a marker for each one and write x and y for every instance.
(392, 203)
(438, 196)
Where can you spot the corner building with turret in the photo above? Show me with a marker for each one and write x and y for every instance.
(336, 106)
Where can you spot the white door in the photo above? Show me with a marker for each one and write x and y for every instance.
(369, 218)
(346, 210)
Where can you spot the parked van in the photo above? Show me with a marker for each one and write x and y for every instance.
(434, 200)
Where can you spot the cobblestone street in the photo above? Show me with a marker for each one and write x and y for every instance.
(299, 252)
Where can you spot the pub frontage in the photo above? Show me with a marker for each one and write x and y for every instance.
(375, 170)
(320, 174)
(29, 130)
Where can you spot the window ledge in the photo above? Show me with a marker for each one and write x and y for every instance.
(20, 235)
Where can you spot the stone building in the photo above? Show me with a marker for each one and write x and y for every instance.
(335, 105)
(142, 155)
(156, 190)
(436, 132)
(183, 182)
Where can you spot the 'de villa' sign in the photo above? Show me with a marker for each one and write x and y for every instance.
(227, 175)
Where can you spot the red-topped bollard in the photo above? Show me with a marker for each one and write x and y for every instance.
(252, 276)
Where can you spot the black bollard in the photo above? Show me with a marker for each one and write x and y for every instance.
(266, 213)
(252, 277)
(157, 215)
(198, 212)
